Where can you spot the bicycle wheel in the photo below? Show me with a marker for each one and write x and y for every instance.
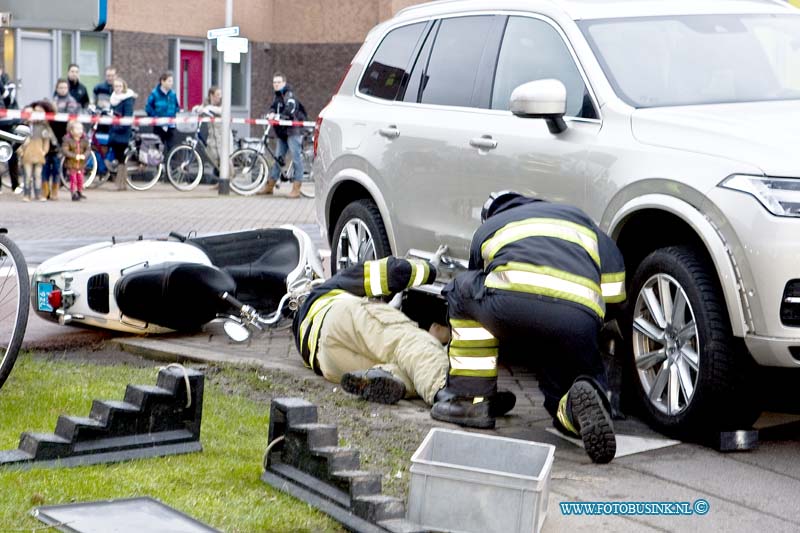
(184, 167)
(14, 298)
(89, 171)
(140, 176)
(249, 171)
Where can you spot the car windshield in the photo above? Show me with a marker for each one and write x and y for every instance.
(699, 59)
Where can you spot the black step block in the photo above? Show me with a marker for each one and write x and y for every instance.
(145, 396)
(43, 446)
(284, 412)
(314, 435)
(378, 508)
(174, 379)
(120, 418)
(357, 482)
(337, 459)
(78, 428)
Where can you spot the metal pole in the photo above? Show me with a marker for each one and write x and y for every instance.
(225, 148)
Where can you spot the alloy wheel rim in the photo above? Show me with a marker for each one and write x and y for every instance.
(355, 244)
(666, 344)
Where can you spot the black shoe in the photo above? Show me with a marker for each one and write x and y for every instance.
(80, 193)
(500, 403)
(588, 412)
(464, 412)
(75, 197)
(374, 385)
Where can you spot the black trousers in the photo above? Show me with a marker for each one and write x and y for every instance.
(167, 138)
(558, 338)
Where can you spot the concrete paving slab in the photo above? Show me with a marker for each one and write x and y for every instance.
(626, 444)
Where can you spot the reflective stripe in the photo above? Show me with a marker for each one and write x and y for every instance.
(419, 273)
(315, 317)
(471, 334)
(613, 287)
(376, 279)
(473, 363)
(464, 323)
(476, 351)
(548, 285)
(490, 374)
(542, 227)
(613, 292)
(562, 415)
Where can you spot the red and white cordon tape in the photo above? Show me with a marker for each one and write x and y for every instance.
(189, 118)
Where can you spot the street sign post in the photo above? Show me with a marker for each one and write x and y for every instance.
(232, 48)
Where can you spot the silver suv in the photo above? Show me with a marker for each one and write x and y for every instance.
(673, 124)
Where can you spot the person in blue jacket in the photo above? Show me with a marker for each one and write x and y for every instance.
(122, 101)
(163, 102)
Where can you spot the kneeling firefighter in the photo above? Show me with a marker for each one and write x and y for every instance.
(374, 350)
(539, 277)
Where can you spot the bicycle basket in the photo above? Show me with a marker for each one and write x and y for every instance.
(252, 143)
(151, 152)
(187, 122)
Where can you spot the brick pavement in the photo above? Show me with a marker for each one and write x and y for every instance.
(127, 214)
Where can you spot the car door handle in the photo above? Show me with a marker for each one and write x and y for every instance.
(390, 133)
(484, 142)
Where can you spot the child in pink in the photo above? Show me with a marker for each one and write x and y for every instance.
(75, 148)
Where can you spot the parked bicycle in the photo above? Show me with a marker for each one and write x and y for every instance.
(186, 161)
(251, 166)
(14, 282)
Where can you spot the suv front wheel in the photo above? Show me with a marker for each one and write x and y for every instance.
(689, 371)
(359, 236)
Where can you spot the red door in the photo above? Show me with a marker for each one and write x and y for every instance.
(191, 78)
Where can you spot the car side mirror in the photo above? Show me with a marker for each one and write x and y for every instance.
(545, 99)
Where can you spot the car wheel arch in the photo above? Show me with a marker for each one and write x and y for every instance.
(679, 222)
(348, 187)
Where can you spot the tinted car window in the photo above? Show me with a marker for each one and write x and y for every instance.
(412, 91)
(453, 65)
(387, 70)
(533, 50)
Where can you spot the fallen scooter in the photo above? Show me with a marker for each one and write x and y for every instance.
(251, 279)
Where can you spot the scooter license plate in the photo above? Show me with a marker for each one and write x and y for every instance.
(43, 290)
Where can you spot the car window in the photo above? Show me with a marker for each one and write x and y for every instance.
(411, 91)
(453, 65)
(387, 70)
(533, 50)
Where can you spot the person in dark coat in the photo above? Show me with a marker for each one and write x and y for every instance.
(76, 88)
(540, 276)
(122, 101)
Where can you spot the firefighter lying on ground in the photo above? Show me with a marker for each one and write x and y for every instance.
(539, 277)
(368, 346)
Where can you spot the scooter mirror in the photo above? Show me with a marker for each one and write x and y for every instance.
(236, 331)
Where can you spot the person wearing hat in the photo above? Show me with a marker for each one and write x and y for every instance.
(540, 275)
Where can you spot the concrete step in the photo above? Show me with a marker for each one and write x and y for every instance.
(78, 428)
(357, 482)
(314, 435)
(378, 508)
(44, 446)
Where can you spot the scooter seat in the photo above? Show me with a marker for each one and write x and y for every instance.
(179, 296)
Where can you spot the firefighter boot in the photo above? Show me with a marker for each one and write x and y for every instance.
(500, 403)
(467, 412)
(585, 412)
(374, 385)
(295, 192)
(269, 187)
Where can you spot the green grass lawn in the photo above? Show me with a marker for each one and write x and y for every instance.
(220, 486)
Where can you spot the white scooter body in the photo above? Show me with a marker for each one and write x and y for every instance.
(72, 273)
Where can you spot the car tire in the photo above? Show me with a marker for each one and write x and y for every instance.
(693, 381)
(361, 222)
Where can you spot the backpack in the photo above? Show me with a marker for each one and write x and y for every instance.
(151, 152)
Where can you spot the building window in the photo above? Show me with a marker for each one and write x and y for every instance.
(92, 59)
(240, 78)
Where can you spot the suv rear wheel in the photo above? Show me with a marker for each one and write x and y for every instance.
(359, 236)
(689, 371)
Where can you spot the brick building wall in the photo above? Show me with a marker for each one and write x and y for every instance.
(140, 59)
(313, 70)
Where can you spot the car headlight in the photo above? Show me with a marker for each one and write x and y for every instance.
(781, 196)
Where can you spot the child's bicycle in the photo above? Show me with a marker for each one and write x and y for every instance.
(251, 167)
